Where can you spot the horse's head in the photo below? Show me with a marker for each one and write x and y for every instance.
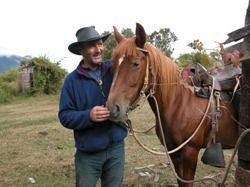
(129, 63)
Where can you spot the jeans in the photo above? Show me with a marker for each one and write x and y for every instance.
(107, 165)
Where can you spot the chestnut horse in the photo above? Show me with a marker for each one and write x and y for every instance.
(138, 66)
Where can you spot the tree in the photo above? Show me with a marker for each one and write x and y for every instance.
(185, 59)
(127, 33)
(163, 40)
(200, 55)
(111, 43)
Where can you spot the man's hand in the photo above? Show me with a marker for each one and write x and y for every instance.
(99, 113)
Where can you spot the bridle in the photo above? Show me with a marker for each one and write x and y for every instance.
(128, 123)
(146, 88)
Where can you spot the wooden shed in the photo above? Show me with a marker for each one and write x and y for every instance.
(27, 76)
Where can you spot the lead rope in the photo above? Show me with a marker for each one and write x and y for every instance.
(129, 124)
(164, 141)
(134, 105)
(158, 117)
(179, 147)
(243, 134)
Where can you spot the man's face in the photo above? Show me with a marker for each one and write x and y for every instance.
(92, 53)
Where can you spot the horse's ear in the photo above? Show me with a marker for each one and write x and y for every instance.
(141, 36)
(118, 36)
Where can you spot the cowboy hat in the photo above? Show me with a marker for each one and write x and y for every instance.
(85, 34)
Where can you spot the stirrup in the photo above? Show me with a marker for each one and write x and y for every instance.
(214, 156)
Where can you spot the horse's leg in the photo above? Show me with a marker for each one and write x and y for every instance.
(178, 166)
(189, 159)
(185, 163)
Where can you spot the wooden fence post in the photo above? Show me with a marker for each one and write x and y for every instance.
(242, 173)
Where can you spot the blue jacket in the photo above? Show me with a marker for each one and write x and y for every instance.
(79, 94)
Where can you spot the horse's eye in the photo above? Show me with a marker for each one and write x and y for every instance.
(134, 64)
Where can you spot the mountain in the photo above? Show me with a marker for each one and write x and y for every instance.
(9, 61)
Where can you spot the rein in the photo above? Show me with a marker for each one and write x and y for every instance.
(128, 123)
(135, 105)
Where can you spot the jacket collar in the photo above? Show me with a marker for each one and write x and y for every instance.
(82, 71)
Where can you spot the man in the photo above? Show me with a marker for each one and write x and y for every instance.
(99, 142)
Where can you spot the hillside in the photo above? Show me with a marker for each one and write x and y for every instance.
(9, 61)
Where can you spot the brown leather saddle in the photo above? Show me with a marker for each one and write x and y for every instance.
(224, 79)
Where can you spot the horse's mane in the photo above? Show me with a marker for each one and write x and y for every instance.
(163, 68)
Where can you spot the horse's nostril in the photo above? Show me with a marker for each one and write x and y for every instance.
(117, 108)
(117, 111)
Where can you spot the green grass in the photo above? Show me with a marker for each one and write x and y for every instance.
(34, 144)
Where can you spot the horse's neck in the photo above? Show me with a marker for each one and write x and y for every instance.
(172, 96)
(169, 89)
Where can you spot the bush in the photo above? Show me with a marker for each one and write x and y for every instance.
(4, 96)
(47, 79)
(48, 76)
(12, 75)
(9, 85)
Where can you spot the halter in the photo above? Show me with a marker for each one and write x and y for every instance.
(145, 84)
(147, 70)
(135, 105)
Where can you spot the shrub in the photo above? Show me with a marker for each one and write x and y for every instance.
(48, 76)
(9, 85)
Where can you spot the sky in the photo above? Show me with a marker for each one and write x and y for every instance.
(47, 27)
